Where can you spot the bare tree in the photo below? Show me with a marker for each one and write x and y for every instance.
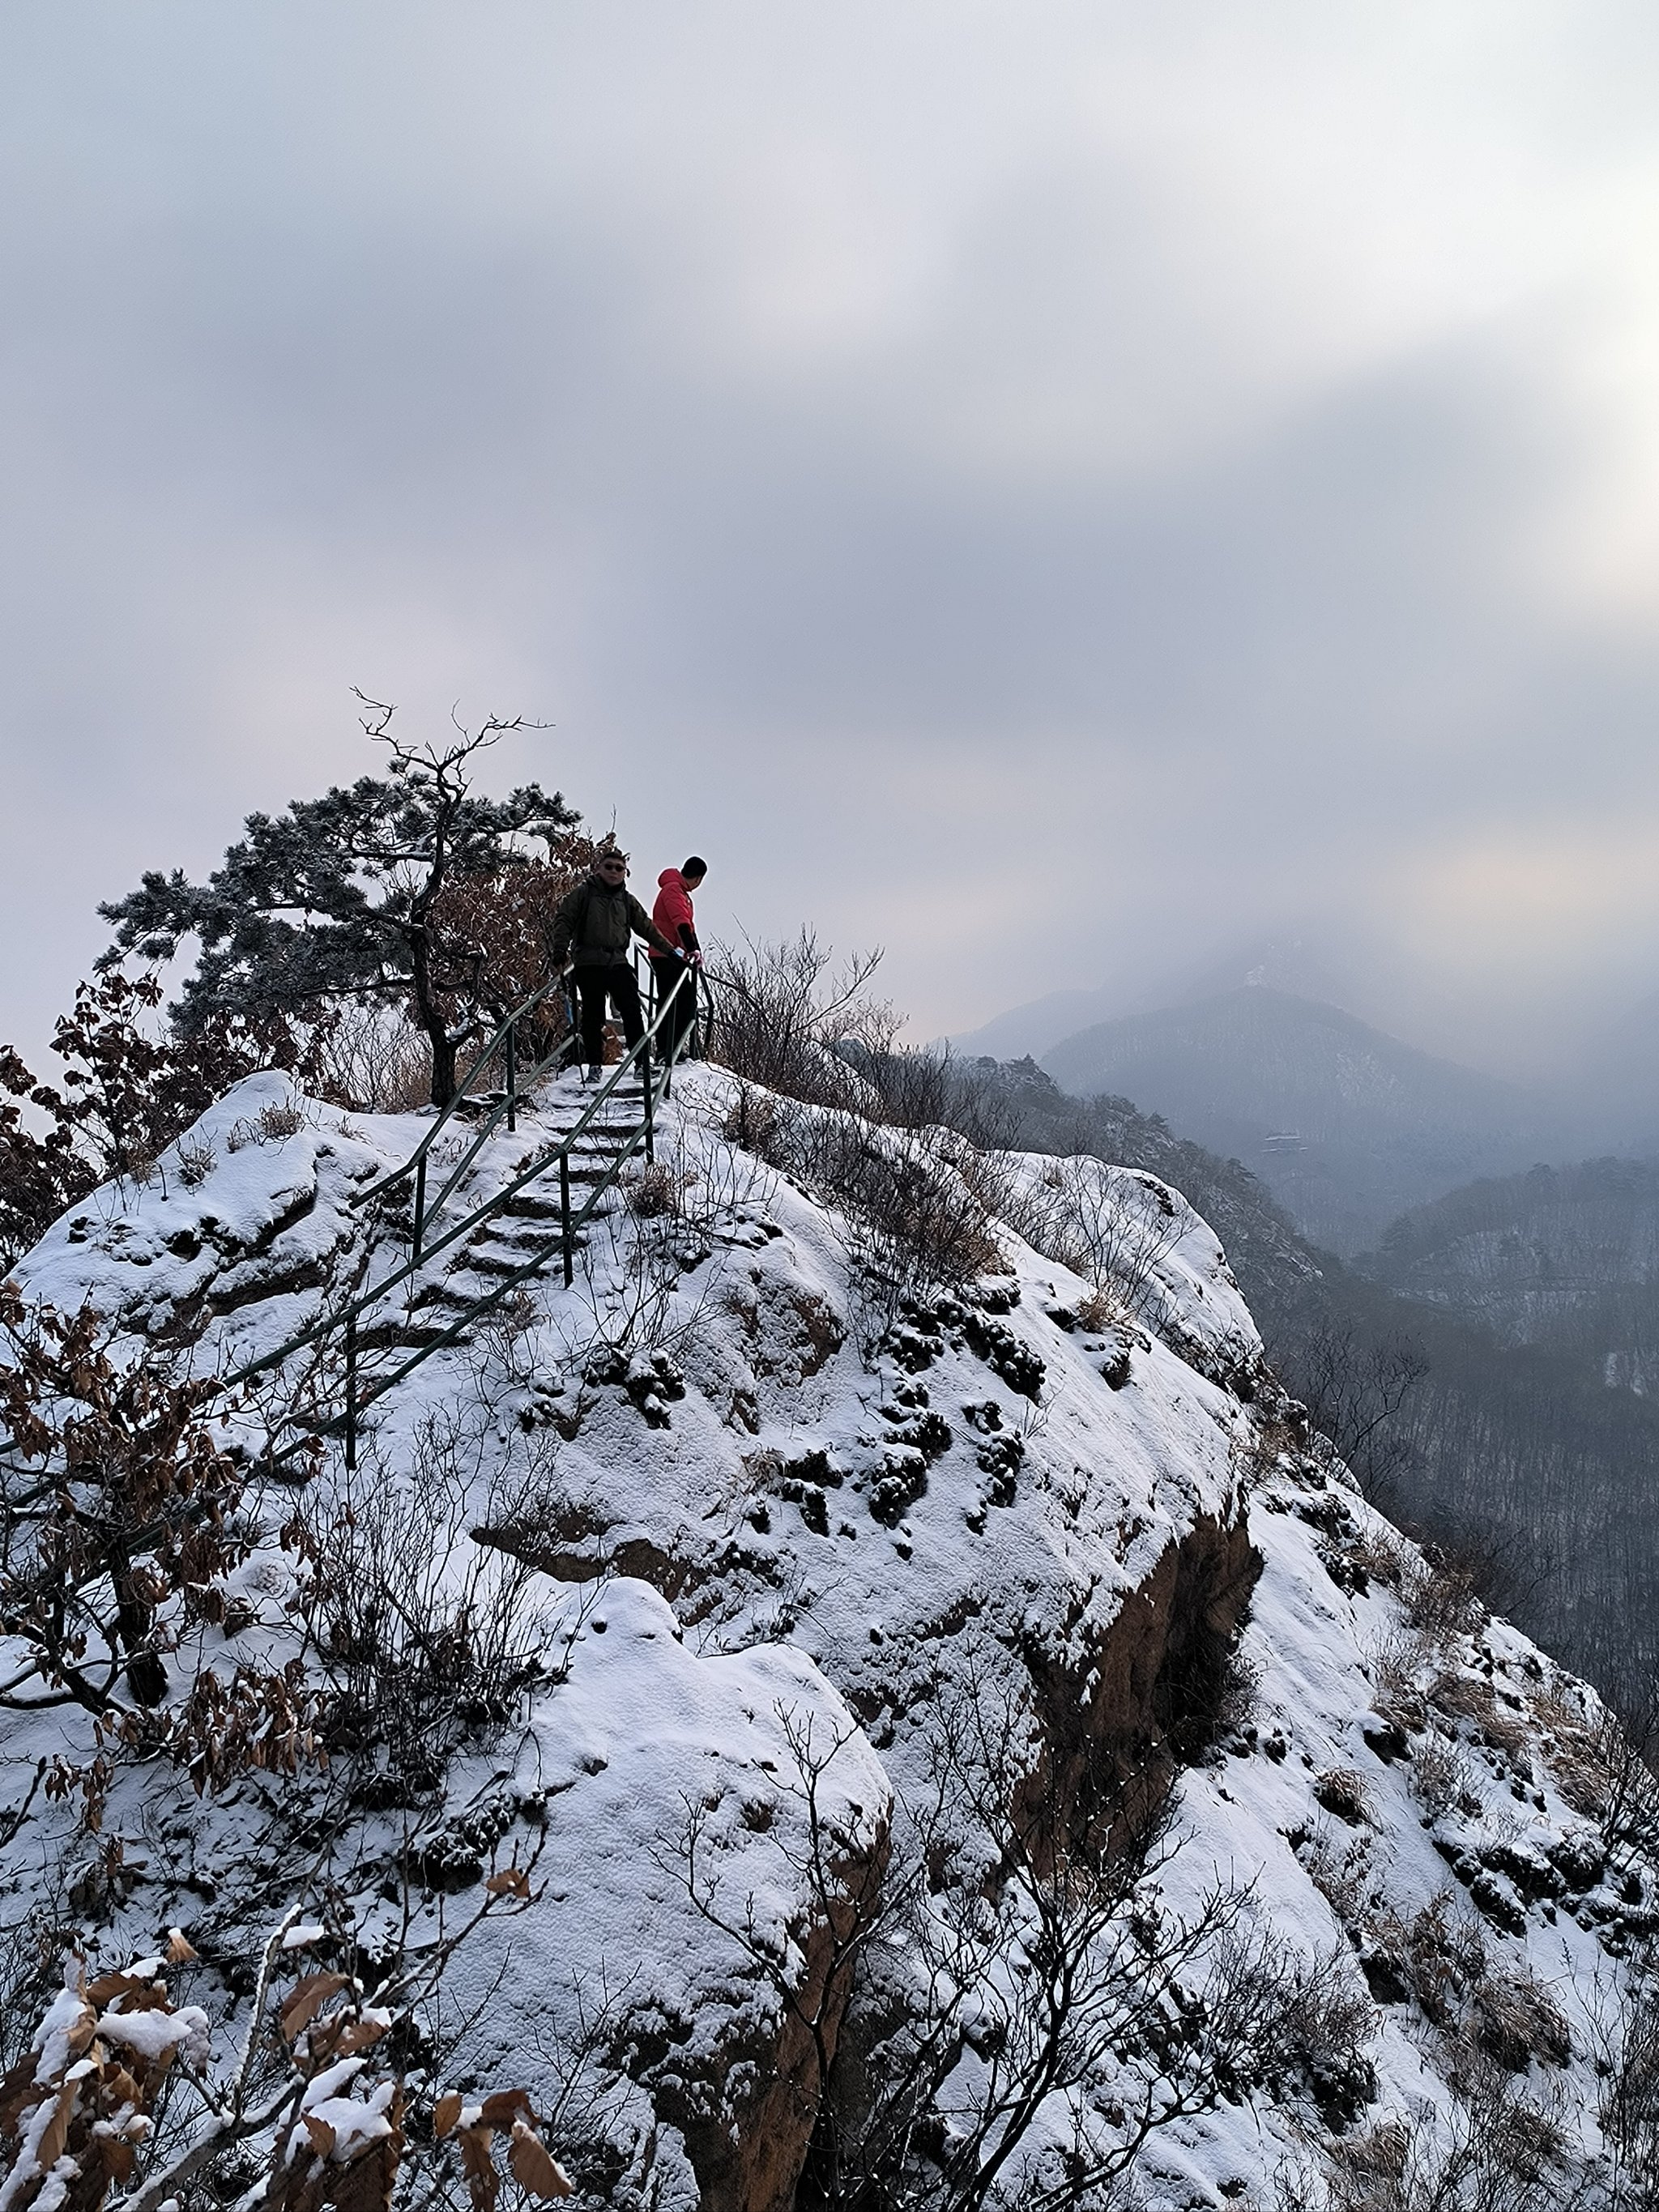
(1018, 1950)
(1355, 1389)
(784, 1009)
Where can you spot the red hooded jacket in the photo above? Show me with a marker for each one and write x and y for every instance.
(672, 913)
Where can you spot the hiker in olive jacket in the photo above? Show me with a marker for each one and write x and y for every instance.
(596, 925)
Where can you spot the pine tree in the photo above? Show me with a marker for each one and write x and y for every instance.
(342, 898)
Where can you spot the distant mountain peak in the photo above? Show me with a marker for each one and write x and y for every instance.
(1347, 1125)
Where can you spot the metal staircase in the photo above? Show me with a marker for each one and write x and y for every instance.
(461, 1267)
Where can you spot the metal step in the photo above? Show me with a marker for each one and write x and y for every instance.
(526, 1207)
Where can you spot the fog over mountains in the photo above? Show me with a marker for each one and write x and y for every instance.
(1291, 1057)
(1347, 1126)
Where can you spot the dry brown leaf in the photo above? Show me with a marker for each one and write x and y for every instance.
(108, 1987)
(305, 2000)
(533, 2167)
(511, 1881)
(50, 2148)
(504, 2107)
(180, 1951)
(445, 2113)
(358, 2035)
(483, 2183)
(323, 2137)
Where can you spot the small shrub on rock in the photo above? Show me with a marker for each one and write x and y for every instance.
(1341, 1791)
(1516, 2020)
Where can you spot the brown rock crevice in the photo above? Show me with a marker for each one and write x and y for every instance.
(748, 2151)
(1148, 1697)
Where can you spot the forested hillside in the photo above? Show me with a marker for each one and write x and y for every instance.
(1567, 1258)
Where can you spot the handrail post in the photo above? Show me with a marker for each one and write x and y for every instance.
(650, 1125)
(419, 1209)
(351, 1394)
(564, 1219)
(512, 1086)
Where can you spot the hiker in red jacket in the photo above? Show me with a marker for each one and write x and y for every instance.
(674, 917)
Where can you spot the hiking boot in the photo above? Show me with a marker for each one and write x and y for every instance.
(592, 1075)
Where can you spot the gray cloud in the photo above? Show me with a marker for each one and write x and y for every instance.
(1052, 503)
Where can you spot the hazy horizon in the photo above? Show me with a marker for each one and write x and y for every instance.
(1061, 493)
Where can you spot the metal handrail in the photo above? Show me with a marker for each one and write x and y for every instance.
(534, 1266)
(503, 1036)
(327, 1324)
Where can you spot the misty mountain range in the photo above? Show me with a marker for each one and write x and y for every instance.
(1347, 1125)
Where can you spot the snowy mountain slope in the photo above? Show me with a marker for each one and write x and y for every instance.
(783, 1538)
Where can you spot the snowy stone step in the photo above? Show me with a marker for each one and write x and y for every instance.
(404, 1336)
(496, 1263)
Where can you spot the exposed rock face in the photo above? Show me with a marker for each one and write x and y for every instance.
(1149, 1698)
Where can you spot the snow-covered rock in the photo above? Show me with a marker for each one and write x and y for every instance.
(772, 1521)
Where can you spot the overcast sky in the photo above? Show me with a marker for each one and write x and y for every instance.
(1051, 489)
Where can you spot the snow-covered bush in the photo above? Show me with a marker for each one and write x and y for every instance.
(119, 2089)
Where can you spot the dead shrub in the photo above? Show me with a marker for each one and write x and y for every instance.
(1440, 1599)
(278, 1119)
(1440, 1774)
(1341, 1873)
(423, 1633)
(758, 1122)
(657, 1191)
(373, 1059)
(285, 1118)
(1370, 2161)
(1378, 1555)
(1500, 2152)
(1629, 2102)
(784, 1009)
(1471, 1698)
(918, 1222)
(1395, 1696)
(1113, 1227)
(1445, 1950)
(1097, 1310)
(1329, 2022)
(1341, 1791)
(197, 1161)
(1514, 2021)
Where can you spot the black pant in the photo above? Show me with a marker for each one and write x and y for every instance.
(682, 1012)
(594, 986)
